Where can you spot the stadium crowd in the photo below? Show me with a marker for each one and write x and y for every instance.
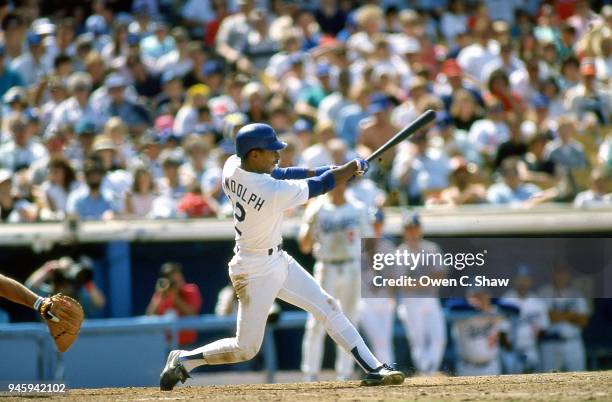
(128, 109)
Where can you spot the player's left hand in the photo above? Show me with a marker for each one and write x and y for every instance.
(362, 166)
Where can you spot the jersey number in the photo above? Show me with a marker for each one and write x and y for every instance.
(239, 214)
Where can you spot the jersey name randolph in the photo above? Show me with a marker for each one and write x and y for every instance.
(241, 193)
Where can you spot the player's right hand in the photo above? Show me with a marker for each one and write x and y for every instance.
(362, 166)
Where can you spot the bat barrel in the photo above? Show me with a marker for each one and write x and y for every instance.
(421, 122)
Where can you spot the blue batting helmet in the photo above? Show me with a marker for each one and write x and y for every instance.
(257, 136)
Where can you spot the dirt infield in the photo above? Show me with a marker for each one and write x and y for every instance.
(592, 386)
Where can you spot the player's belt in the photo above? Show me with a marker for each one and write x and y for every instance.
(264, 251)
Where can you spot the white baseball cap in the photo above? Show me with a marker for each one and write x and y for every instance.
(5, 175)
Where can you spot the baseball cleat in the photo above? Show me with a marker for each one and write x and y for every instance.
(383, 375)
(173, 372)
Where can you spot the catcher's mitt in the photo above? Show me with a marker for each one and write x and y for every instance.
(64, 317)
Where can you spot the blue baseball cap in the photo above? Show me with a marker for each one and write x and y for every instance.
(540, 101)
(85, 127)
(212, 67)
(34, 39)
(378, 103)
(412, 219)
(301, 125)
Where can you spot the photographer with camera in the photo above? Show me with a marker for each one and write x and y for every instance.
(174, 294)
(74, 279)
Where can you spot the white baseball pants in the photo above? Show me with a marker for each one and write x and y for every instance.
(341, 281)
(259, 279)
(376, 318)
(425, 328)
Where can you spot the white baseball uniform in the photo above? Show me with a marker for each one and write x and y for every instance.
(423, 318)
(562, 345)
(337, 231)
(261, 271)
(377, 312)
(533, 318)
(476, 341)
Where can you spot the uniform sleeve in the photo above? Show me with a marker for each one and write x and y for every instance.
(296, 172)
(309, 217)
(289, 193)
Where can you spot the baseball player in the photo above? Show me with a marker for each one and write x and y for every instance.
(261, 270)
(332, 229)
(532, 322)
(377, 309)
(419, 309)
(562, 345)
(478, 337)
(62, 314)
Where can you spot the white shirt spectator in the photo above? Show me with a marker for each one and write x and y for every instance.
(501, 193)
(474, 57)
(12, 156)
(29, 69)
(486, 135)
(570, 155)
(589, 199)
(185, 121)
(70, 112)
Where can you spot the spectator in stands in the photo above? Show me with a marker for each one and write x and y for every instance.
(32, 66)
(562, 345)
(174, 295)
(74, 279)
(187, 116)
(351, 114)
(511, 189)
(486, 134)
(423, 175)
(565, 151)
(514, 147)
(600, 192)
(54, 191)
(139, 200)
(318, 153)
(588, 97)
(134, 116)
(20, 149)
(194, 204)
(464, 185)
(540, 170)
(13, 207)
(8, 77)
(77, 107)
(499, 89)
(232, 34)
(89, 202)
(454, 21)
(464, 110)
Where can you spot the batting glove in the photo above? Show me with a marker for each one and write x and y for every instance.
(362, 166)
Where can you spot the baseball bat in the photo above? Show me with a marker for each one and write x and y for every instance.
(421, 122)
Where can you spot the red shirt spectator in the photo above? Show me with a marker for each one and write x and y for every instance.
(172, 293)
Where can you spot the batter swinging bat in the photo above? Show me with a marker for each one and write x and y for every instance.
(421, 122)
